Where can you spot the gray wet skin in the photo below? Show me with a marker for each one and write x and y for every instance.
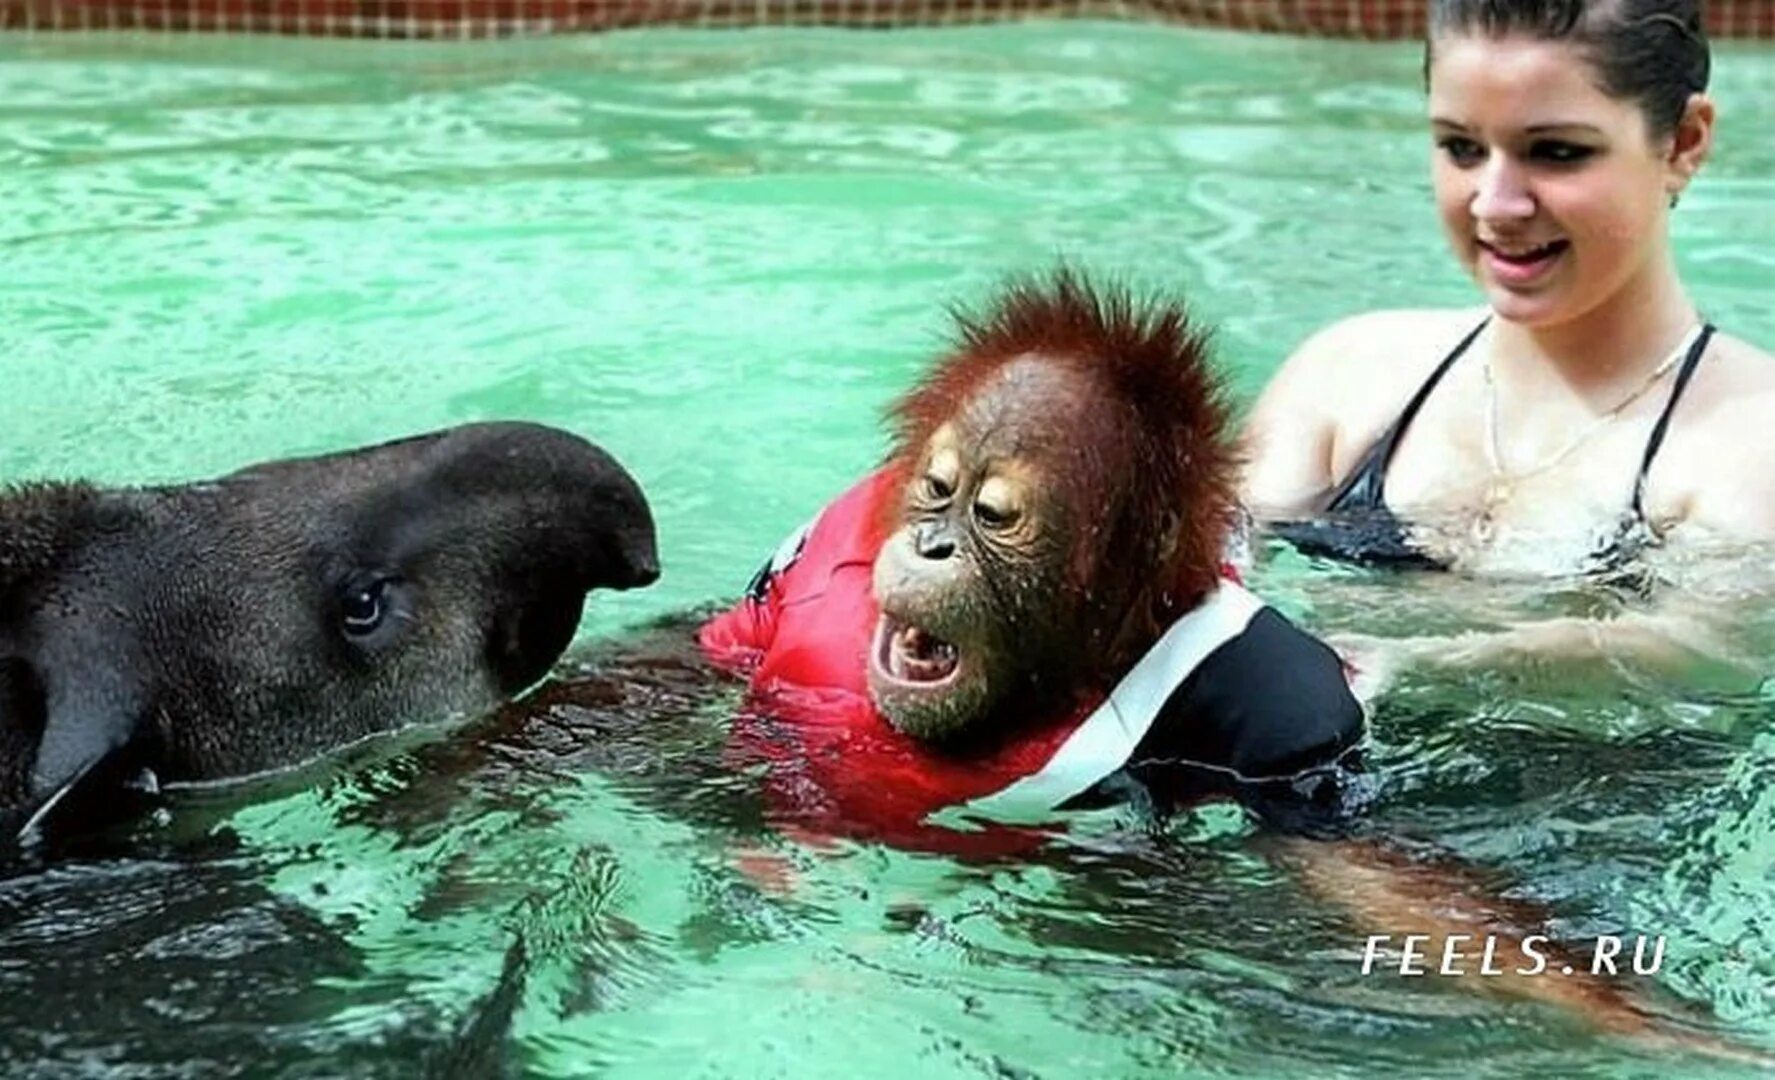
(221, 629)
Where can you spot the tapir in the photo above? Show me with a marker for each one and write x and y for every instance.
(216, 630)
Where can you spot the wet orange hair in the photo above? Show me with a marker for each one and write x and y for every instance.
(1158, 417)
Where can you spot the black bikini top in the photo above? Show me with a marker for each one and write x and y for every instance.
(1358, 526)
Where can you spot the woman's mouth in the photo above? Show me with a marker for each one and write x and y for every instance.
(1521, 265)
(911, 656)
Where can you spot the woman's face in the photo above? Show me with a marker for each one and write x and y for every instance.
(1553, 194)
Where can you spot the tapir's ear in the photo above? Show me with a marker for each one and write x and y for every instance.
(80, 727)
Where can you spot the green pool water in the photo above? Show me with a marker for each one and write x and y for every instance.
(719, 254)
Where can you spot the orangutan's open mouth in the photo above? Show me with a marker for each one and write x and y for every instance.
(907, 654)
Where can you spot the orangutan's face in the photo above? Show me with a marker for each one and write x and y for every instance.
(977, 583)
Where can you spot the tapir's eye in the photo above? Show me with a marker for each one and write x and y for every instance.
(373, 608)
(363, 609)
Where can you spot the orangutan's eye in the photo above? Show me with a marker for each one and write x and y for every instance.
(942, 471)
(994, 517)
(995, 505)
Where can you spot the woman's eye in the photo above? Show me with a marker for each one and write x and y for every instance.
(1560, 153)
(936, 488)
(1461, 151)
(363, 609)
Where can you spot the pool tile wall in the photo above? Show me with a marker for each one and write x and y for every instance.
(1377, 19)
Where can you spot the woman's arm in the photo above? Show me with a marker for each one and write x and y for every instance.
(1725, 461)
(1692, 632)
(1336, 394)
(1669, 641)
(1288, 437)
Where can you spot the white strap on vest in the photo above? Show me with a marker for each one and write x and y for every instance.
(790, 549)
(1107, 738)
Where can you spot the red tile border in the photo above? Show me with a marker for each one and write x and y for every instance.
(1374, 19)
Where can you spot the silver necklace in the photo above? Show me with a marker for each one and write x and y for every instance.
(1502, 483)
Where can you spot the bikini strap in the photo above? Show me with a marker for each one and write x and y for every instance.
(1371, 473)
(1686, 372)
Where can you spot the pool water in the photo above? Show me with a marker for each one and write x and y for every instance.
(719, 254)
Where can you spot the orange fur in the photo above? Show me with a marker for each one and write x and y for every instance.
(1159, 418)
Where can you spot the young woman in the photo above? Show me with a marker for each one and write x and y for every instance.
(1592, 411)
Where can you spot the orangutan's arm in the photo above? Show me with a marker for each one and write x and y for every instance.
(1450, 910)
(1385, 892)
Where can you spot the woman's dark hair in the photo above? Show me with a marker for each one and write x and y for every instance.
(1650, 52)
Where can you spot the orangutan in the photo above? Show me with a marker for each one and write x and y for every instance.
(1028, 604)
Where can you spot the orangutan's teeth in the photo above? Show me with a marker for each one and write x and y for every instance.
(915, 656)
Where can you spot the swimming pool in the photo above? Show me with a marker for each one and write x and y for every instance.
(719, 254)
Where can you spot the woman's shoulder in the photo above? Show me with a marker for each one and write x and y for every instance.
(1334, 396)
(1733, 390)
(1743, 359)
(1361, 369)
(1389, 342)
(1722, 443)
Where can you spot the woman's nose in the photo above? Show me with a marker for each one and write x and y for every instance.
(1503, 193)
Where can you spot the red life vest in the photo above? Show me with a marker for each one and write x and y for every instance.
(833, 764)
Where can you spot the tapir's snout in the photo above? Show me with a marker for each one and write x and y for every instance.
(618, 547)
(578, 521)
(584, 513)
(628, 557)
(641, 563)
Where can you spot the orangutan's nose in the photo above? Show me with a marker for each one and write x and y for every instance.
(932, 541)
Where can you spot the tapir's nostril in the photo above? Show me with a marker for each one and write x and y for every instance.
(635, 561)
(646, 572)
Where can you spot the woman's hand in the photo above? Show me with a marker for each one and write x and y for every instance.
(1667, 642)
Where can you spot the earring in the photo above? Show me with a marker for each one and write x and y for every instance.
(1675, 197)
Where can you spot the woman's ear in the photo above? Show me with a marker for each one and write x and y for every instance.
(1690, 144)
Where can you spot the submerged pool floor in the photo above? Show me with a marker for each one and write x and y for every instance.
(719, 254)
